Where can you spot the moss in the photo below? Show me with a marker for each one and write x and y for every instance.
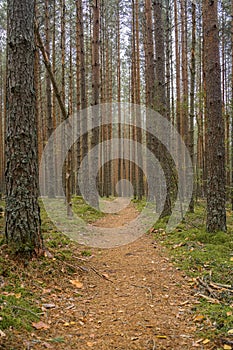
(18, 308)
(86, 253)
(84, 211)
(205, 255)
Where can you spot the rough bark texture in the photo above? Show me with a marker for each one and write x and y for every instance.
(192, 94)
(50, 160)
(232, 111)
(22, 229)
(215, 152)
(177, 50)
(1, 127)
(149, 53)
(161, 101)
(93, 199)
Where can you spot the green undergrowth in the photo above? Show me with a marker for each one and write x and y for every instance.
(17, 303)
(208, 257)
(84, 211)
(21, 282)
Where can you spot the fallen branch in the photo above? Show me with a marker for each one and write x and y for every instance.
(226, 287)
(100, 274)
(49, 70)
(26, 310)
(70, 265)
(207, 288)
(211, 300)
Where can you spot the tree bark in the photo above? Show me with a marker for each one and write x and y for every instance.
(192, 94)
(22, 226)
(215, 148)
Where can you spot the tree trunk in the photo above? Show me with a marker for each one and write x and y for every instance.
(161, 102)
(95, 99)
(232, 107)
(1, 127)
(215, 152)
(50, 160)
(22, 227)
(192, 94)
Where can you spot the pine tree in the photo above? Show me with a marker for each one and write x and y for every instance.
(215, 149)
(22, 227)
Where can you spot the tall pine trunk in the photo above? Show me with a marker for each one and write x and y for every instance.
(215, 148)
(22, 228)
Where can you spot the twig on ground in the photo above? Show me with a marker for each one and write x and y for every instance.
(211, 300)
(26, 310)
(70, 265)
(100, 274)
(84, 269)
(222, 286)
(206, 286)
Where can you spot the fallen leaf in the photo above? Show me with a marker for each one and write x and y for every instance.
(90, 345)
(230, 331)
(66, 324)
(229, 313)
(47, 254)
(2, 334)
(227, 347)
(206, 341)
(77, 284)
(199, 318)
(153, 230)
(18, 295)
(46, 291)
(178, 245)
(231, 259)
(40, 325)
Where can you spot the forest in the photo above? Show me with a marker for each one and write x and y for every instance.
(116, 174)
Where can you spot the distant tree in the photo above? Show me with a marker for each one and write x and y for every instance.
(215, 148)
(192, 93)
(22, 219)
(232, 105)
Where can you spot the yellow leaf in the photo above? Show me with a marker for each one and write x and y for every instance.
(199, 318)
(230, 331)
(161, 336)
(206, 341)
(77, 284)
(66, 324)
(90, 345)
(227, 347)
(231, 259)
(18, 295)
(72, 323)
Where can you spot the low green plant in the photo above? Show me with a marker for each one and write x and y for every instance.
(206, 256)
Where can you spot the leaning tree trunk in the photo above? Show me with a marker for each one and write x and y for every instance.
(22, 229)
(215, 149)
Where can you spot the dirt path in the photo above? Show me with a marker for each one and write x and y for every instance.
(131, 297)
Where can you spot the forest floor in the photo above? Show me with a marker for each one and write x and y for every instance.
(125, 298)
